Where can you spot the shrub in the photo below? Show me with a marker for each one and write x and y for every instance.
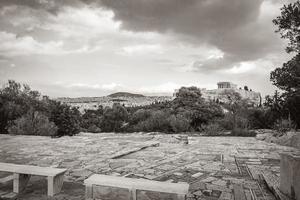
(212, 129)
(94, 129)
(179, 123)
(66, 119)
(283, 125)
(158, 121)
(243, 132)
(114, 118)
(139, 115)
(33, 123)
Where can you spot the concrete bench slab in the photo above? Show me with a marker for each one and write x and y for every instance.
(22, 174)
(134, 185)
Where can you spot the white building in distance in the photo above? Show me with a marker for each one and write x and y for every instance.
(219, 94)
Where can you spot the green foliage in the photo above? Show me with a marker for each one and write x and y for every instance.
(213, 129)
(157, 121)
(91, 120)
(114, 118)
(16, 101)
(139, 115)
(189, 103)
(283, 125)
(33, 123)
(289, 25)
(179, 123)
(237, 108)
(260, 118)
(67, 119)
(287, 78)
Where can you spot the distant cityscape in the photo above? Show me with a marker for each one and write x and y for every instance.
(133, 100)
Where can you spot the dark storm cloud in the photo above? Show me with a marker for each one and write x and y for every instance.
(231, 25)
(51, 6)
(201, 18)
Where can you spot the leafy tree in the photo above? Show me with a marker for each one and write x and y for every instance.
(114, 118)
(158, 121)
(179, 123)
(91, 120)
(139, 115)
(33, 123)
(236, 107)
(189, 103)
(287, 78)
(15, 101)
(67, 119)
(289, 25)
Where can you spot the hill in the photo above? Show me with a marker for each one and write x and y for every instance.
(125, 94)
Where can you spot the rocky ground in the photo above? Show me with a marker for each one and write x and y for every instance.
(290, 138)
(212, 166)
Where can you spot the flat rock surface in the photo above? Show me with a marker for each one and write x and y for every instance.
(211, 165)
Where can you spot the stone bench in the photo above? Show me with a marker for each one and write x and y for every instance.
(290, 175)
(132, 186)
(22, 174)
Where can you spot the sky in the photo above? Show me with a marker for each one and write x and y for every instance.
(75, 48)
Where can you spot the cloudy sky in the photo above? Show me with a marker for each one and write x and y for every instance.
(96, 47)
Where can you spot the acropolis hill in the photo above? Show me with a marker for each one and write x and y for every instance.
(133, 100)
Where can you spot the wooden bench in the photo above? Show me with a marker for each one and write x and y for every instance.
(180, 189)
(22, 174)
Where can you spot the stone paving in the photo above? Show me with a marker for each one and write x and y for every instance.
(211, 165)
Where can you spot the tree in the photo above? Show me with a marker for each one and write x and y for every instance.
(289, 25)
(190, 104)
(179, 123)
(287, 78)
(33, 123)
(91, 120)
(236, 107)
(15, 101)
(67, 119)
(114, 118)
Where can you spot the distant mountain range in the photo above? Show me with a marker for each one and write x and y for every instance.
(124, 94)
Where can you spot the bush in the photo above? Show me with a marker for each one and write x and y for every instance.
(283, 125)
(212, 129)
(94, 129)
(66, 119)
(158, 121)
(243, 132)
(33, 123)
(139, 115)
(114, 118)
(179, 123)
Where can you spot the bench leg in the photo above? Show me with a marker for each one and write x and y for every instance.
(19, 182)
(89, 192)
(133, 194)
(181, 196)
(55, 184)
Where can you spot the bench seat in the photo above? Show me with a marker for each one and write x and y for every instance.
(22, 174)
(181, 189)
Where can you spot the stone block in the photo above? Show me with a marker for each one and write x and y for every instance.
(110, 193)
(149, 195)
(290, 175)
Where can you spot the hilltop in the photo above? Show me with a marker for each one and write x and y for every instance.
(125, 94)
